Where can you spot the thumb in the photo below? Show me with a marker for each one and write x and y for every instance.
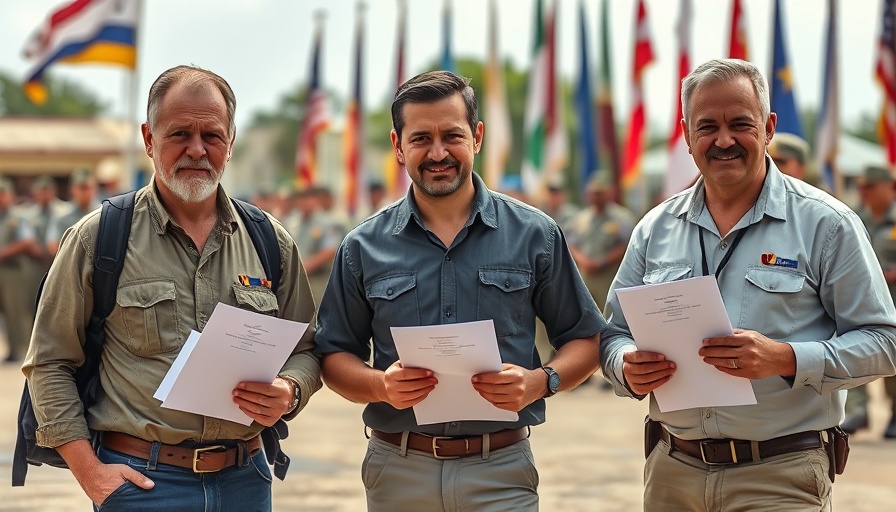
(137, 478)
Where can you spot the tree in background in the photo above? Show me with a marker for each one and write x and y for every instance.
(66, 99)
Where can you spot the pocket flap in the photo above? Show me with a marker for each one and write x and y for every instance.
(667, 274)
(145, 294)
(507, 280)
(390, 287)
(256, 298)
(776, 281)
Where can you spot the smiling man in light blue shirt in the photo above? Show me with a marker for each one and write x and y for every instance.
(810, 308)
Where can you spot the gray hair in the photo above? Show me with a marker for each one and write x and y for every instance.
(190, 75)
(720, 70)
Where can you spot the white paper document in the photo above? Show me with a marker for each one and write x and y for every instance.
(235, 346)
(673, 319)
(454, 352)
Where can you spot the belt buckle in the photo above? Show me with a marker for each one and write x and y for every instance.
(435, 448)
(197, 452)
(731, 446)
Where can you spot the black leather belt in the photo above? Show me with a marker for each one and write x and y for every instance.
(736, 451)
(442, 447)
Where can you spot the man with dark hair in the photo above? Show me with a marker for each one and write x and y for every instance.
(788, 258)
(187, 249)
(452, 251)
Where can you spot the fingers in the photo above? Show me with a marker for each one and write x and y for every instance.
(406, 387)
(646, 371)
(136, 477)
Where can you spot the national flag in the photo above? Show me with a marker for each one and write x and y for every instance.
(83, 31)
(827, 130)
(782, 95)
(556, 143)
(316, 120)
(536, 109)
(585, 107)
(447, 54)
(608, 145)
(885, 72)
(396, 178)
(681, 170)
(738, 48)
(353, 138)
(497, 115)
(637, 126)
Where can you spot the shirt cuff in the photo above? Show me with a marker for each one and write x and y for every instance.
(809, 365)
(59, 433)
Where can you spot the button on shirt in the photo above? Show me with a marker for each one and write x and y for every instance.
(803, 274)
(508, 264)
(166, 289)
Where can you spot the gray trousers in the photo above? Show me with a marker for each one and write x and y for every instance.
(504, 480)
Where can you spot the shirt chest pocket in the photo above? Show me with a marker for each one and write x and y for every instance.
(149, 317)
(502, 298)
(667, 274)
(394, 299)
(773, 300)
(256, 298)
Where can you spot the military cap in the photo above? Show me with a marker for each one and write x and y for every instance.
(788, 145)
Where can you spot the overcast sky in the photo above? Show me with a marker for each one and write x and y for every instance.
(262, 47)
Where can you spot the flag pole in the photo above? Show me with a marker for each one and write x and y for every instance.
(132, 80)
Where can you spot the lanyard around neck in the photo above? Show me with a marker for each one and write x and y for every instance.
(727, 255)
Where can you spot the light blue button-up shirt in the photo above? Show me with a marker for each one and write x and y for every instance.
(509, 263)
(833, 309)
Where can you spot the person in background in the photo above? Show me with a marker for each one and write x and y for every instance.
(452, 251)
(792, 157)
(16, 241)
(188, 251)
(599, 236)
(787, 258)
(82, 188)
(877, 190)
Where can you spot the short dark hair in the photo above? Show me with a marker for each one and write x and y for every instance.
(191, 75)
(430, 87)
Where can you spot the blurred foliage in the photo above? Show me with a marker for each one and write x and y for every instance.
(65, 99)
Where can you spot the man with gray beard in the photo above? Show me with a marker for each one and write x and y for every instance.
(188, 250)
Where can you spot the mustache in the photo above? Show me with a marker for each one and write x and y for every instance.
(729, 152)
(445, 161)
(189, 163)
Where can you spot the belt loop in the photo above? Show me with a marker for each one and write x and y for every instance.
(403, 447)
(153, 459)
(486, 446)
(754, 450)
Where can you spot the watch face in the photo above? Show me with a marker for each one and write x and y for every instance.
(553, 382)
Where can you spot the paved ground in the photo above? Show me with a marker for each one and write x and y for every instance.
(589, 457)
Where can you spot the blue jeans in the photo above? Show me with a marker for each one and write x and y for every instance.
(238, 489)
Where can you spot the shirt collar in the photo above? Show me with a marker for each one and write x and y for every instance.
(483, 207)
(162, 220)
(771, 201)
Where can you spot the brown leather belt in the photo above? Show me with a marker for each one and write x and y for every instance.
(202, 458)
(735, 451)
(442, 447)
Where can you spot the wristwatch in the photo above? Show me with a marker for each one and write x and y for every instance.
(553, 381)
(296, 394)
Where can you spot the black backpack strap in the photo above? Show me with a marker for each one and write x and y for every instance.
(264, 238)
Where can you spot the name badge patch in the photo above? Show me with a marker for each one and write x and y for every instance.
(771, 259)
(253, 281)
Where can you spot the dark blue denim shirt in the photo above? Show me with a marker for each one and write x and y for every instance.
(509, 263)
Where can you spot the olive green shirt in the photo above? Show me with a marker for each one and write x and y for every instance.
(166, 289)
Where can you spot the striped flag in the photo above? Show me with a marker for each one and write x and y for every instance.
(637, 127)
(536, 110)
(353, 137)
(885, 71)
(396, 179)
(681, 171)
(585, 106)
(738, 48)
(828, 127)
(317, 117)
(447, 54)
(782, 96)
(608, 145)
(556, 143)
(497, 116)
(81, 32)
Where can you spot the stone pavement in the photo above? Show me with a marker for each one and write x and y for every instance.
(589, 457)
